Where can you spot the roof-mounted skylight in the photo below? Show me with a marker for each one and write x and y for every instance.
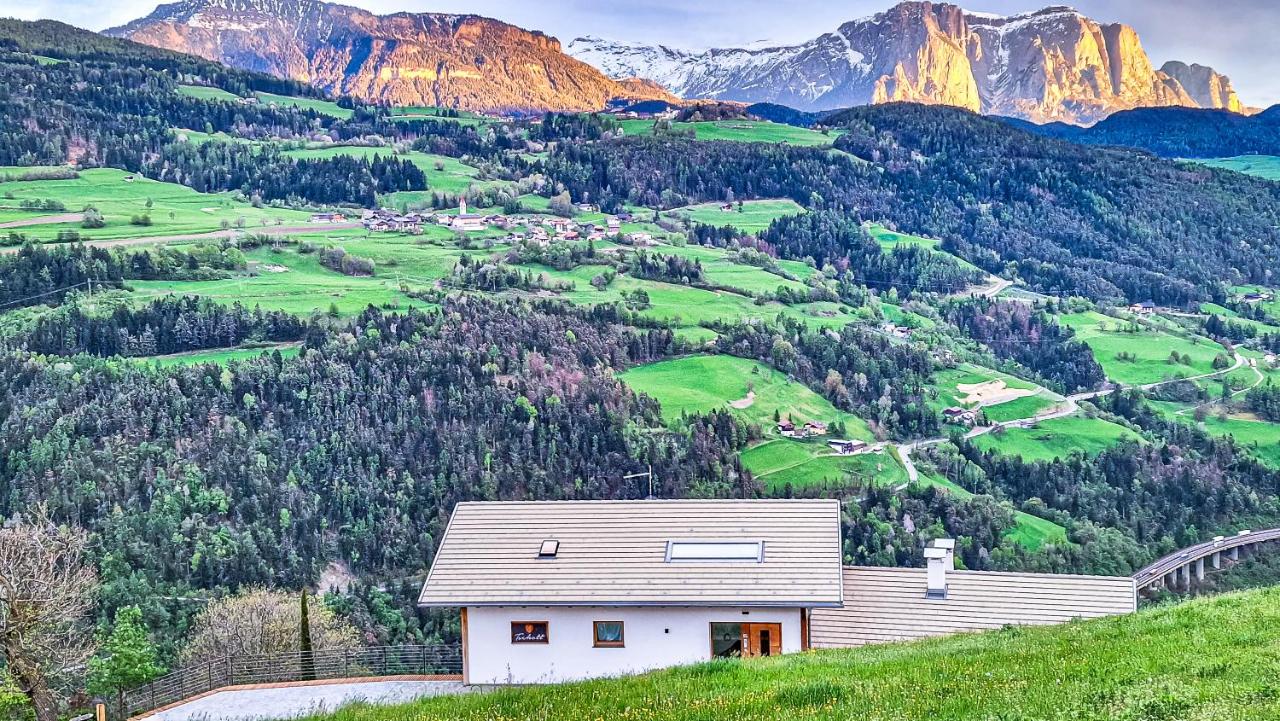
(715, 551)
(549, 549)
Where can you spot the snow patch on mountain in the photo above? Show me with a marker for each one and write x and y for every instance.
(1044, 65)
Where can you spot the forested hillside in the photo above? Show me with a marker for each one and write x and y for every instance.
(1176, 132)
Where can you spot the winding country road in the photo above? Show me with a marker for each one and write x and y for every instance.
(1068, 407)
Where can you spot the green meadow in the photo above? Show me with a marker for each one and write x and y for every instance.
(323, 107)
(702, 383)
(119, 196)
(946, 382)
(418, 112)
(890, 239)
(1056, 438)
(1262, 166)
(742, 131)
(1209, 659)
(1134, 354)
(220, 356)
(297, 283)
(784, 464)
(751, 216)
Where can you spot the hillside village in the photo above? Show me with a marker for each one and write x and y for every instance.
(537, 229)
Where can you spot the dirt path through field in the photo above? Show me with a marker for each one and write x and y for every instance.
(44, 220)
(215, 235)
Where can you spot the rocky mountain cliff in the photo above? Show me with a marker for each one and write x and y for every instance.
(461, 61)
(1052, 64)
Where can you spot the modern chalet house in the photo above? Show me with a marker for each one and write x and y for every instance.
(555, 591)
(564, 590)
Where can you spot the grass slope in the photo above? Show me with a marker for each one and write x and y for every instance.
(752, 217)
(1150, 347)
(742, 131)
(1211, 659)
(697, 384)
(175, 209)
(1262, 166)
(1057, 438)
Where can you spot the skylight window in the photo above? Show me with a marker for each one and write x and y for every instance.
(715, 551)
(549, 549)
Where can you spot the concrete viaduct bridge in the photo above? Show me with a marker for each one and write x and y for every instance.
(1174, 572)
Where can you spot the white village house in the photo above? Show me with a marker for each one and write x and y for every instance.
(555, 591)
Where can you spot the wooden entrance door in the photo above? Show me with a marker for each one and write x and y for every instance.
(761, 639)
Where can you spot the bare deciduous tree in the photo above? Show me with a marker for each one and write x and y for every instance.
(47, 590)
(259, 621)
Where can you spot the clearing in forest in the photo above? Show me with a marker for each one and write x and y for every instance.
(742, 131)
(1057, 438)
(1134, 353)
(749, 216)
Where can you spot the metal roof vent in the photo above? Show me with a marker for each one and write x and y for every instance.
(549, 549)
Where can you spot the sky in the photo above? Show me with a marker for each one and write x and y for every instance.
(1236, 37)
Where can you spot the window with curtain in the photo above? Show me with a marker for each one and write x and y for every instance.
(608, 634)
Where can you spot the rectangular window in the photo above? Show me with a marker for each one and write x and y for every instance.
(715, 551)
(529, 632)
(608, 634)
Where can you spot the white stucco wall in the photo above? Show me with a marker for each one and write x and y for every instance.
(656, 637)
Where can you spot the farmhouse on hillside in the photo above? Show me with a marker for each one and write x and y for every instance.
(555, 591)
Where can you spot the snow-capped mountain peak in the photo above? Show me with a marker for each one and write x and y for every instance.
(1049, 64)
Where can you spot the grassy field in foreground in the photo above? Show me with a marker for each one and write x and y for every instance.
(1141, 356)
(743, 131)
(1211, 659)
(1263, 166)
(752, 216)
(1057, 438)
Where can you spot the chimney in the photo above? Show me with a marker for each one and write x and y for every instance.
(948, 545)
(937, 573)
(940, 557)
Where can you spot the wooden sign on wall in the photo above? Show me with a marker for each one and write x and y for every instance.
(529, 632)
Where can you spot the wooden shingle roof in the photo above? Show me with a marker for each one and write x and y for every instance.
(614, 553)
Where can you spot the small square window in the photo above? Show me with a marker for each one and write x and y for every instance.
(608, 634)
(549, 549)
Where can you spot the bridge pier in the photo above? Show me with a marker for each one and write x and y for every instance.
(1234, 554)
(1184, 574)
(1216, 560)
(1200, 570)
(1169, 580)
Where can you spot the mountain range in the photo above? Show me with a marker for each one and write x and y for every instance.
(1054, 64)
(461, 61)
(1050, 65)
